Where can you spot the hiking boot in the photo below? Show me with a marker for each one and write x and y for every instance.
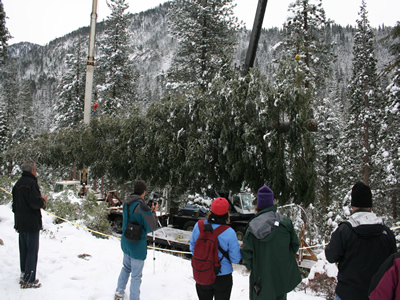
(33, 285)
(21, 281)
(118, 297)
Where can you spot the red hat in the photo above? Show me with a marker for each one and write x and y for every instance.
(220, 206)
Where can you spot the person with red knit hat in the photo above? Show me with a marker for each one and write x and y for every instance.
(227, 240)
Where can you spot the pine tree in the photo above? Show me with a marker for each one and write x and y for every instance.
(10, 94)
(72, 88)
(4, 134)
(116, 79)
(206, 34)
(305, 34)
(388, 154)
(305, 65)
(25, 117)
(363, 93)
(4, 35)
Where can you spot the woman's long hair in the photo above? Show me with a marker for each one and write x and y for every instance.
(216, 219)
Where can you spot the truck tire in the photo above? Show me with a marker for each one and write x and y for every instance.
(189, 225)
(240, 232)
(117, 224)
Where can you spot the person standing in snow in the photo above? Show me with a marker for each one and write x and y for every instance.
(227, 240)
(359, 246)
(26, 205)
(135, 252)
(269, 251)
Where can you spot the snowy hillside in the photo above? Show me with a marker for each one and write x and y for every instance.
(73, 264)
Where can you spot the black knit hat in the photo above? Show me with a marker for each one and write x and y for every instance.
(361, 195)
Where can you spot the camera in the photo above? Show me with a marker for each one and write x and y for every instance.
(152, 202)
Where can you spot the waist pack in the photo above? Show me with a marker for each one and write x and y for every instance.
(205, 262)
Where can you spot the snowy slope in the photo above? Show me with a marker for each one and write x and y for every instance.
(66, 276)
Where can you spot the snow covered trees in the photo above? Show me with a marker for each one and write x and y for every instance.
(364, 104)
(388, 152)
(72, 88)
(206, 34)
(115, 76)
(304, 66)
(4, 35)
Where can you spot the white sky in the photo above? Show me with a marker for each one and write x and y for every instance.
(40, 21)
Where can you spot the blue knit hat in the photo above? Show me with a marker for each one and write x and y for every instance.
(265, 197)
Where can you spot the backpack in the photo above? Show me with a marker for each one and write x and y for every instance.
(205, 262)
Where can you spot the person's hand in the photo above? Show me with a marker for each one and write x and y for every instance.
(45, 200)
(154, 206)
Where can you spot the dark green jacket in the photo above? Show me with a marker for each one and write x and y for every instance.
(269, 252)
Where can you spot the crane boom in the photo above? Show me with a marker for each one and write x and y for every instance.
(90, 65)
(255, 36)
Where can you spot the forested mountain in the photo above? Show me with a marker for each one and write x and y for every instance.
(152, 53)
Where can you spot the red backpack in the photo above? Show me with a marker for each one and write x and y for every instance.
(205, 262)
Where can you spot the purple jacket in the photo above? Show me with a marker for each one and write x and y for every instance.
(385, 283)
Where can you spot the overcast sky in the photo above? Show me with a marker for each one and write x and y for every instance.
(40, 21)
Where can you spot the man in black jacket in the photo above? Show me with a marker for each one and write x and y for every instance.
(359, 246)
(27, 202)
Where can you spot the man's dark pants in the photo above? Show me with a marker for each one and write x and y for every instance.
(28, 254)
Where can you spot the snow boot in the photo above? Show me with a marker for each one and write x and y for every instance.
(33, 285)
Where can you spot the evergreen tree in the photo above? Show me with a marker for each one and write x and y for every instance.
(305, 65)
(10, 106)
(25, 116)
(306, 33)
(116, 79)
(388, 155)
(10, 94)
(363, 93)
(206, 34)
(4, 134)
(72, 88)
(4, 35)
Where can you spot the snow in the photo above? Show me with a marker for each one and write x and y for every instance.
(94, 276)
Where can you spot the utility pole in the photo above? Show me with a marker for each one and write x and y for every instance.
(90, 65)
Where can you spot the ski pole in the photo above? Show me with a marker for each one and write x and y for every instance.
(154, 254)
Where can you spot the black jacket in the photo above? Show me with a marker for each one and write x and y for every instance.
(359, 247)
(27, 202)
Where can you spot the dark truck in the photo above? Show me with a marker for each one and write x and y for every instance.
(241, 210)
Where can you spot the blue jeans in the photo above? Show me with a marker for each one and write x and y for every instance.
(134, 267)
(337, 297)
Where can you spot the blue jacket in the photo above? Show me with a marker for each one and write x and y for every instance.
(228, 241)
(142, 216)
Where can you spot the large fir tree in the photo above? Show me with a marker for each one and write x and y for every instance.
(206, 34)
(305, 64)
(388, 154)
(115, 76)
(364, 95)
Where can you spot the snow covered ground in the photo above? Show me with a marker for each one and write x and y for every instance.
(73, 264)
